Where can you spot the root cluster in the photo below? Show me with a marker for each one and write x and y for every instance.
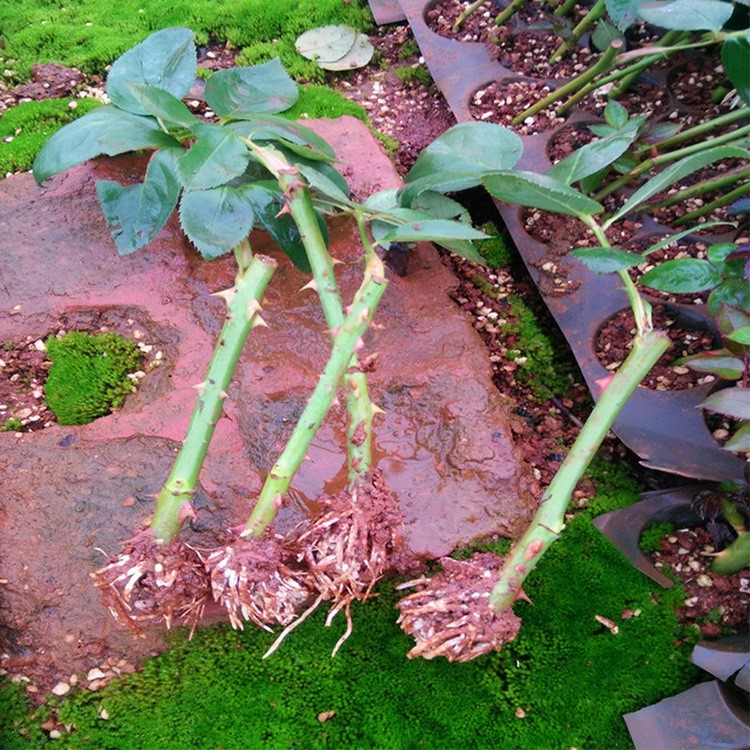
(149, 583)
(254, 580)
(450, 615)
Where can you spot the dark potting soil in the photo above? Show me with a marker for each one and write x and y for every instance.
(500, 102)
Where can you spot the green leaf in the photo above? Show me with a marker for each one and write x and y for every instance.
(593, 157)
(623, 12)
(675, 172)
(606, 259)
(729, 319)
(267, 200)
(439, 206)
(166, 59)
(741, 336)
(734, 292)
(259, 89)
(139, 212)
(441, 183)
(740, 441)
(357, 57)
(325, 180)
(326, 43)
(686, 15)
(217, 219)
(292, 135)
(683, 276)
(721, 363)
(159, 103)
(467, 150)
(433, 230)
(604, 34)
(735, 53)
(540, 191)
(719, 252)
(615, 114)
(215, 158)
(105, 130)
(732, 402)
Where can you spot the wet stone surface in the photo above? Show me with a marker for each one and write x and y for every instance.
(443, 444)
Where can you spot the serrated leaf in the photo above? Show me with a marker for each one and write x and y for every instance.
(686, 15)
(675, 172)
(259, 89)
(540, 191)
(741, 336)
(732, 402)
(606, 259)
(326, 43)
(441, 183)
(720, 363)
(138, 213)
(267, 201)
(105, 130)
(734, 292)
(433, 230)
(623, 12)
(740, 441)
(682, 276)
(165, 59)
(163, 105)
(661, 131)
(440, 206)
(290, 134)
(468, 150)
(327, 182)
(604, 34)
(593, 157)
(217, 219)
(600, 129)
(216, 157)
(357, 57)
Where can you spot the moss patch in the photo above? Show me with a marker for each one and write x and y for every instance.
(570, 675)
(89, 375)
(25, 128)
(88, 35)
(316, 100)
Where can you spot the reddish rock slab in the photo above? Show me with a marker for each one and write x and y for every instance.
(73, 493)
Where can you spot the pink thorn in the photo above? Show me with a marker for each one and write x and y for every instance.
(603, 383)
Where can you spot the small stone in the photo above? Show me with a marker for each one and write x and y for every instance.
(520, 713)
(55, 734)
(61, 689)
(103, 713)
(95, 674)
(40, 346)
(325, 715)
(704, 581)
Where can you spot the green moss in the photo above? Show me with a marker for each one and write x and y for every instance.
(408, 49)
(410, 74)
(89, 373)
(88, 35)
(25, 128)
(498, 251)
(11, 425)
(652, 535)
(316, 100)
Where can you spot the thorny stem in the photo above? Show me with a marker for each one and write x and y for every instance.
(358, 405)
(509, 12)
(645, 166)
(591, 17)
(467, 12)
(549, 520)
(723, 200)
(707, 186)
(243, 306)
(743, 113)
(602, 64)
(346, 341)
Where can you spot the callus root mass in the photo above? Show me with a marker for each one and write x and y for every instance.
(451, 616)
(148, 583)
(256, 579)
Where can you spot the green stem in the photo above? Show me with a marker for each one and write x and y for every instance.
(707, 186)
(593, 15)
(565, 8)
(695, 132)
(509, 12)
(732, 195)
(549, 520)
(346, 340)
(243, 305)
(467, 12)
(645, 166)
(602, 64)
